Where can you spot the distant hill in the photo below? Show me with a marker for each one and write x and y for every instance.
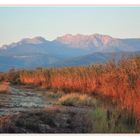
(95, 58)
(67, 50)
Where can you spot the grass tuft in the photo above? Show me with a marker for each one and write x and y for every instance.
(75, 99)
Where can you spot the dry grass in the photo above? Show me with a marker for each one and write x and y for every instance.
(4, 87)
(75, 99)
(119, 80)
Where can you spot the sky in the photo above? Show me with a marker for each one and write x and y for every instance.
(50, 22)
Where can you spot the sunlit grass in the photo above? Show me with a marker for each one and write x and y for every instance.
(119, 80)
(75, 99)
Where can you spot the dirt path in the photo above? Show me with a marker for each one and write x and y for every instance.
(18, 100)
(22, 99)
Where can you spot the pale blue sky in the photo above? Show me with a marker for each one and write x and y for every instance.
(20, 22)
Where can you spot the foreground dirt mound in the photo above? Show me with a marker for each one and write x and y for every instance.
(46, 121)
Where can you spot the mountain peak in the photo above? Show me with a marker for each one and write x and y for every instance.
(103, 38)
(35, 40)
(80, 40)
(40, 38)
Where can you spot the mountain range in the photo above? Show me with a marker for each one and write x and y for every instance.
(67, 50)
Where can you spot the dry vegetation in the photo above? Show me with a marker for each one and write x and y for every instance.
(4, 87)
(118, 80)
(121, 80)
(75, 99)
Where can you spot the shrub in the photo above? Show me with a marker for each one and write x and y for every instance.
(75, 99)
